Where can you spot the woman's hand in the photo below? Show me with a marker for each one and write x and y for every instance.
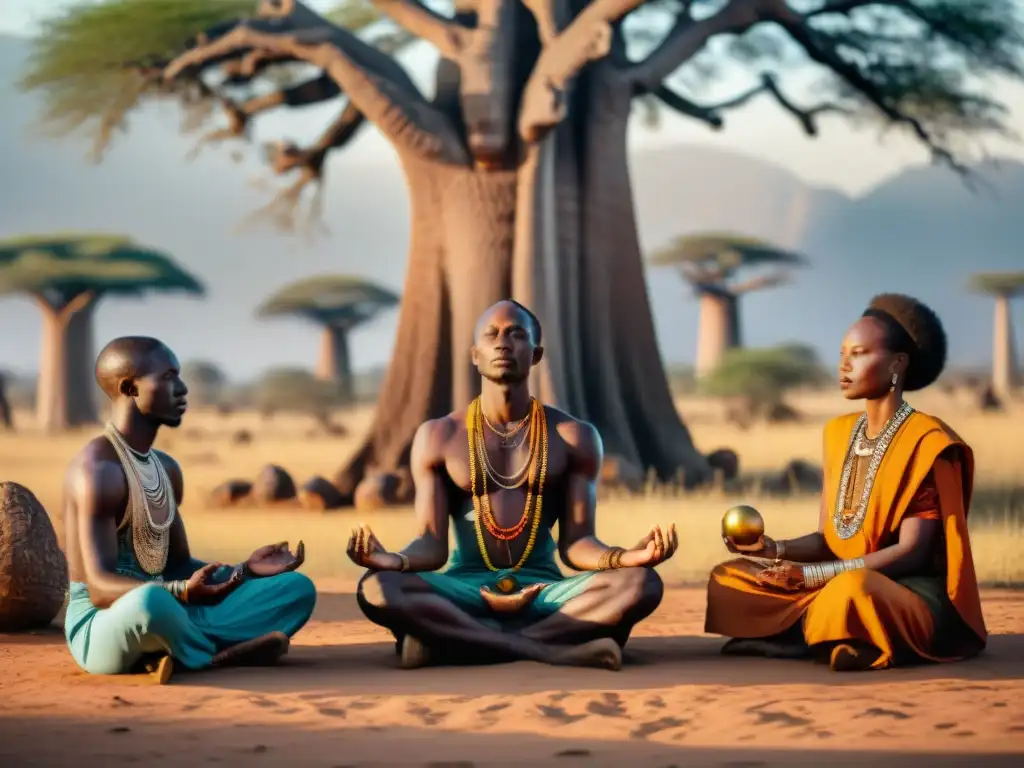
(788, 577)
(764, 547)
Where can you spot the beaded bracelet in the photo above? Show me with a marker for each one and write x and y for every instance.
(819, 574)
(610, 559)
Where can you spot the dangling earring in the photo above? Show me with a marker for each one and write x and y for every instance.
(892, 387)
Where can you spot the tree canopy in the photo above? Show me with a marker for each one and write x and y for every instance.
(58, 267)
(1006, 284)
(714, 258)
(926, 66)
(337, 300)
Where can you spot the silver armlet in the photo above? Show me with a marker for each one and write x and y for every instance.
(818, 574)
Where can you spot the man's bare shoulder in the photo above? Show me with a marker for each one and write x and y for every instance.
(96, 471)
(170, 464)
(581, 437)
(433, 435)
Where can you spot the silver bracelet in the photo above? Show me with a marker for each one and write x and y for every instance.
(176, 588)
(780, 551)
(818, 574)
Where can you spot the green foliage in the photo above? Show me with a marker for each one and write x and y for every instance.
(67, 265)
(295, 390)
(723, 251)
(86, 60)
(761, 377)
(998, 283)
(338, 300)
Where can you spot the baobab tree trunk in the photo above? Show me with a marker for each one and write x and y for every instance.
(460, 258)
(59, 393)
(81, 381)
(627, 391)
(334, 364)
(718, 328)
(1004, 358)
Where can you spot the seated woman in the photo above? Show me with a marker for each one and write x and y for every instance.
(888, 577)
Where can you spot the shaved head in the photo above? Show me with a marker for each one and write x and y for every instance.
(125, 358)
(530, 321)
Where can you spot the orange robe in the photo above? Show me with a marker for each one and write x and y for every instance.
(927, 471)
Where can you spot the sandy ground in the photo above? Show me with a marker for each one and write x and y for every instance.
(340, 700)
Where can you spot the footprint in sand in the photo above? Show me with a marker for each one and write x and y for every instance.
(259, 701)
(655, 726)
(427, 715)
(880, 712)
(332, 711)
(573, 753)
(944, 726)
(559, 714)
(655, 702)
(768, 717)
(610, 705)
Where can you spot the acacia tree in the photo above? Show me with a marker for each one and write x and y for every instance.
(517, 166)
(68, 275)
(709, 263)
(1003, 287)
(339, 304)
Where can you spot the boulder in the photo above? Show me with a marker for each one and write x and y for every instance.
(724, 462)
(320, 494)
(382, 489)
(230, 493)
(33, 569)
(273, 484)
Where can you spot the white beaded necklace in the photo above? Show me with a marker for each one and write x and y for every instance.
(149, 488)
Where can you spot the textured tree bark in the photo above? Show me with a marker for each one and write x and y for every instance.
(62, 399)
(718, 329)
(1004, 362)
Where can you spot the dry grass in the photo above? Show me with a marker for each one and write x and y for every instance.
(204, 448)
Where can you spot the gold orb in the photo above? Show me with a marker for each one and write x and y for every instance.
(507, 585)
(743, 524)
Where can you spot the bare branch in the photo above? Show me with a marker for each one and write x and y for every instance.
(445, 34)
(286, 157)
(545, 14)
(586, 38)
(377, 85)
(821, 49)
(688, 36)
(684, 106)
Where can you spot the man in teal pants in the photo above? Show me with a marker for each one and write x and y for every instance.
(138, 599)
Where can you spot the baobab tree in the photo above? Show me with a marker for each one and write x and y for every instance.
(709, 263)
(1003, 287)
(517, 165)
(338, 304)
(67, 276)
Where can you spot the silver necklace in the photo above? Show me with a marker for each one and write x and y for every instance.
(847, 525)
(149, 488)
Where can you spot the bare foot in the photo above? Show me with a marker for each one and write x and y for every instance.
(259, 652)
(602, 654)
(414, 653)
(764, 648)
(846, 658)
(160, 671)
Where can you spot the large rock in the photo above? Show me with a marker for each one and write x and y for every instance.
(273, 484)
(33, 569)
(383, 489)
(320, 494)
(230, 493)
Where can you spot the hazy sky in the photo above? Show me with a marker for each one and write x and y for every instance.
(841, 157)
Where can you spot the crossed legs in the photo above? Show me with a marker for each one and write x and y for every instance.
(588, 629)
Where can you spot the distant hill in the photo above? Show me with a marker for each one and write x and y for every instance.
(920, 232)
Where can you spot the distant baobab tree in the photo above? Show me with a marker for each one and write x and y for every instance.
(709, 262)
(68, 275)
(338, 304)
(516, 163)
(1003, 287)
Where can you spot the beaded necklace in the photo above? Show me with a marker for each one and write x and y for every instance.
(149, 488)
(537, 473)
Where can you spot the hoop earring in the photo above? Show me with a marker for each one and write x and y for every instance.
(892, 387)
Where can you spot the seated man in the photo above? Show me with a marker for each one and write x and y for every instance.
(503, 472)
(138, 598)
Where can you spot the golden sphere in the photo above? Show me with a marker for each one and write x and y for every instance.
(743, 524)
(507, 585)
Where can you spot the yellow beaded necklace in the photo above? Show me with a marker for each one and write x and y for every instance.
(481, 499)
